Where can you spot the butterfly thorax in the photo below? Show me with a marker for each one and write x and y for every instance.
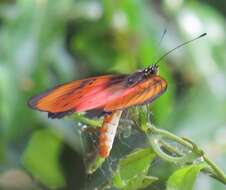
(141, 75)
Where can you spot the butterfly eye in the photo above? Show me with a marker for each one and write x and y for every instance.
(130, 80)
(153, 69)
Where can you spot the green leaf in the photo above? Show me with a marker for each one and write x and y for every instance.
(132, 170)
(184, 178)
(41, 158)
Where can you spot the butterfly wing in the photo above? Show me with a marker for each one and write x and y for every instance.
(78, 95)
(107, 93)
(143, 92)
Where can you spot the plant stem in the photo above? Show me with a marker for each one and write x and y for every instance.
(171, 136)
(170, 148)
(154, 140)
(219, 173)
(154, 135)
(90, 122)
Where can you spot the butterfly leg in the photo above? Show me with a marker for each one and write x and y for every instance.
(107, 132)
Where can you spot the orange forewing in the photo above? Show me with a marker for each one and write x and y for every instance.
(144, 92)
(80, 95)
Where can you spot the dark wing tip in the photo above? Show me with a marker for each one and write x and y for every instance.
(32, 102)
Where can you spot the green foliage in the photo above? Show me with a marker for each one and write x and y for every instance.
(41, 158)
(131, 172)
(184, 178)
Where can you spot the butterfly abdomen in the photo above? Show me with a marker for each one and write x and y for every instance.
(108, 132)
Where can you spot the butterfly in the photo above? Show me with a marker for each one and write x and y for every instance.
(110, 94)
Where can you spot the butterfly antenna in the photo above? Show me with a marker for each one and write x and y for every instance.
(163, 35)
(185, 43)
(160, 42)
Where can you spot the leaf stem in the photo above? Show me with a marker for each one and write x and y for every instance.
(171, 136)
(155, 134)
(218, 172)
(90, 122)
(170, 148)
(156, 147)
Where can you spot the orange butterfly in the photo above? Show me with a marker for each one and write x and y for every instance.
(110, 94)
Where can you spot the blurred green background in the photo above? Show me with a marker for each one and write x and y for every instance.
(47, 42)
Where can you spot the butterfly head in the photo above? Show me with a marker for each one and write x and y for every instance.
(151, 70)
